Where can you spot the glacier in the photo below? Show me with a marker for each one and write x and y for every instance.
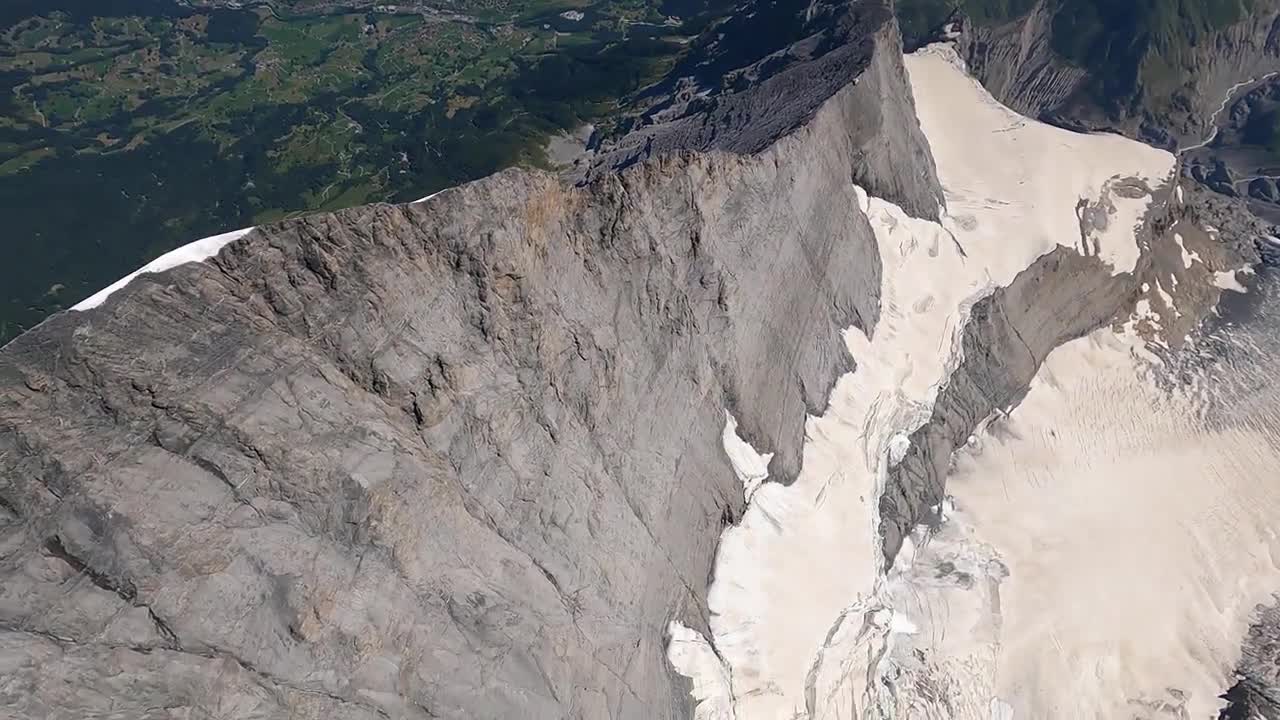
(805, 616)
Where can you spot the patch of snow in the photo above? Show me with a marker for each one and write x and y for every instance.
(899, 444)
(197, 251)
(691, 655)
(902, 625)
(1188, 256)
(1167, 299)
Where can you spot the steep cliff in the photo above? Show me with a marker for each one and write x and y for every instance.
(459, 458)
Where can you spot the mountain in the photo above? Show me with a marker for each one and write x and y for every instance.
(495, 471)
(1195, 76)
(825, 385)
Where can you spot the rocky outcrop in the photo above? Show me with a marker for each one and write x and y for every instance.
(452, 459)
(1256, 694)
(1064, 295)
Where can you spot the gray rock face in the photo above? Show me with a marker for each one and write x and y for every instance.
(1064, 295)
(459, 459)
(1256, 696)
(1239, 161)
(1263, 189)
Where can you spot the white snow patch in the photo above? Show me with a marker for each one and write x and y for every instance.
(1188, 256)
(899, 444)
(948, 507)
(691, 655)
(1167, 299)
(751, 467)
(1226, 280)
(1137, 540)
(902, 625)
(197, 251)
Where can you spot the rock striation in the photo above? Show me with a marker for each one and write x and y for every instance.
(1017, 64)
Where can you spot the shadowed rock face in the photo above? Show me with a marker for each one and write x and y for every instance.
(452, 459)
(1017, 62)
(787, 88)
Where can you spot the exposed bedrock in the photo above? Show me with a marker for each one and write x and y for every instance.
(456, 459)
(1256, 694)
(1017, 64)
(1062, 296)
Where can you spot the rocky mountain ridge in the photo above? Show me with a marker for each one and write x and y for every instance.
(463, 457)
(451, 459)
